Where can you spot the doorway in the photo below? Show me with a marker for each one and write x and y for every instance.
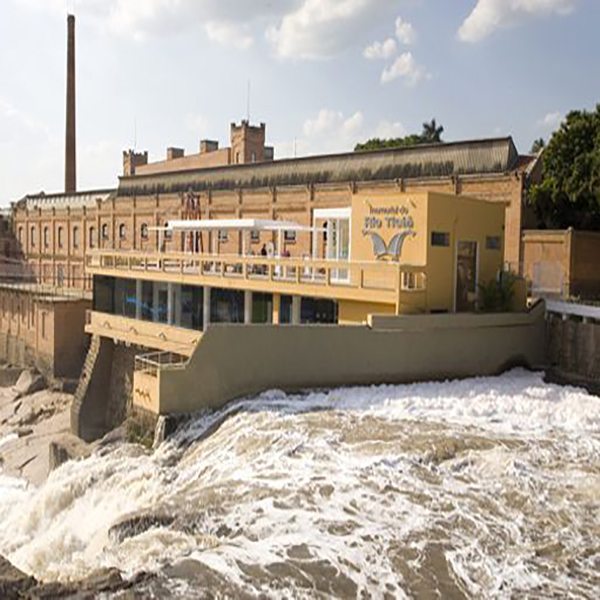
(336, 239)
(466, 277)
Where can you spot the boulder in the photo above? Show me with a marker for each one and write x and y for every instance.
(29, 382)
(13, 582)
(68, 447)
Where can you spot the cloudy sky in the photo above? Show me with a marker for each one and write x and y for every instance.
(324, 74)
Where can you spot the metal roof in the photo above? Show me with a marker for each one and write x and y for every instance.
(497, 155)
(68, 200)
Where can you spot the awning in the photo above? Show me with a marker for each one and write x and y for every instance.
(233, 224)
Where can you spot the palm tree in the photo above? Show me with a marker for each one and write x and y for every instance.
(432, 134)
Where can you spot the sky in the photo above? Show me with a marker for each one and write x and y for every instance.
(322, 74)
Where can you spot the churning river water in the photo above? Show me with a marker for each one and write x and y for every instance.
(487, 487)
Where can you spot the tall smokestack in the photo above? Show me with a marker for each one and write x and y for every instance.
(71, 140)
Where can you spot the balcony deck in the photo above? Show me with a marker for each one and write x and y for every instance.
(375, 282)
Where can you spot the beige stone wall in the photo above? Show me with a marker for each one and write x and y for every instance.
(226, 364)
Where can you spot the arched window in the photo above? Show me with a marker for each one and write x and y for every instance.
(105, 231)
(60, 237)
(122, 231)
(46, 237)
(20, 238)
(144, 231)
(75, 237)
(92, 240)
(32, 237)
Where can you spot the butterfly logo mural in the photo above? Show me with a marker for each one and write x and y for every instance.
(393, 250)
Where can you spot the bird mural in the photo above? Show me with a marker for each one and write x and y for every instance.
(392, 250)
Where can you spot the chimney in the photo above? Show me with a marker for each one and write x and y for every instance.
(173, 153)
(71, 148)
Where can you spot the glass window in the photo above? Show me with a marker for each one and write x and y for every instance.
(92, 240)
(289, 237)
(285, 310)
(317, 311)
(122, 231)
(262, 308)
(60, 237)
(105, 231)
(192, 307)
(493, 243)
(75, 237)
(46, 237)
(223, 236)
(104, 294)
(255, 237)
(125, 298)
(440, 239)
(226, 306)
(147, 301)
(32, 236)
(144, 231)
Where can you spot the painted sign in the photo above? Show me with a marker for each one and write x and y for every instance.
(390, 218)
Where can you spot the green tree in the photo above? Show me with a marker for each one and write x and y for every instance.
(538, 145)
(569, 193)
(432, 134)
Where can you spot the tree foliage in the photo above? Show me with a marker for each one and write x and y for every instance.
(431, 134)
(569, 193)
(538, 146)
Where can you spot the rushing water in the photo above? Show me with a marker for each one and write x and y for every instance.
(483, 488)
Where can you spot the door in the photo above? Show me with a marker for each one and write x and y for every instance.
(466, 276)
(338, 246)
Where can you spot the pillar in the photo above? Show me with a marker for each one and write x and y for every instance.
(276, 309)
(296, 310)
(206, 307)
(170, 304)
(138, 299)
(248, 308)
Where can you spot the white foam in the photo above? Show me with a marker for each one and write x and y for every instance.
(283, 471)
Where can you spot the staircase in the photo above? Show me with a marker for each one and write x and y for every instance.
(84, 384)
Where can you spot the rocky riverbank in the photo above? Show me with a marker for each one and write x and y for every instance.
(16, 585)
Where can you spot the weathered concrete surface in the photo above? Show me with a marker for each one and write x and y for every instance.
(573, 350)
(67, 447)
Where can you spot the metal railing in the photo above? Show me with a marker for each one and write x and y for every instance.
(376, 276)
(152, 364)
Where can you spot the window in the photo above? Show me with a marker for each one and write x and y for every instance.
(493, 243)
(237, 158)
(440, 239)
(122, 231)
(20, 237)
(44, 325)
(289, 237)
(46, 237)
(75, 237)
(60, 237)
(32, 237)
(254, 157)
(255, 237)
(92, 240)
(105, 231)
(223, 236)
(144, 231)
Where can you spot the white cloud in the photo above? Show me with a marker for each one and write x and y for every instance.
(322, 28)
(405, 67)
(551, 121)
(405, 32)
(229, 34)
(490, 15)
(381, 49)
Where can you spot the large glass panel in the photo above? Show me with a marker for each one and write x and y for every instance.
(161, 302)
(226, 306)
(262, 308)
(147, 301)
(285, 310)
(317, 311)
(125, 298)
(104, 294)
(191, 307)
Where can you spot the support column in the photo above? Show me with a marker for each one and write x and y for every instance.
(248, 308)
(170, 304)
(138, 299)
(296, 310)
(276, 309)
(206, 307)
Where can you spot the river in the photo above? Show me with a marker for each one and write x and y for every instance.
(488, 487)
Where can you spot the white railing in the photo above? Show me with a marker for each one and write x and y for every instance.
(151, 364)
(571, 309)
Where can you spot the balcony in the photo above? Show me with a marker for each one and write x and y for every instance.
(378, 281)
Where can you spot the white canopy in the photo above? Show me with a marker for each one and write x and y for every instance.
(235, 224)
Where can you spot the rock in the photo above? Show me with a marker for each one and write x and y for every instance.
(13, 582)
(9, 376)
(24, 432)
(136, 525)
(68, 447)
(29, 382)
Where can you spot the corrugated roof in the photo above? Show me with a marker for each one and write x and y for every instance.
(69, 200)
(497, 155)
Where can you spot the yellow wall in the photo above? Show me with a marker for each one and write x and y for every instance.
(467, 220)
(353, 313)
